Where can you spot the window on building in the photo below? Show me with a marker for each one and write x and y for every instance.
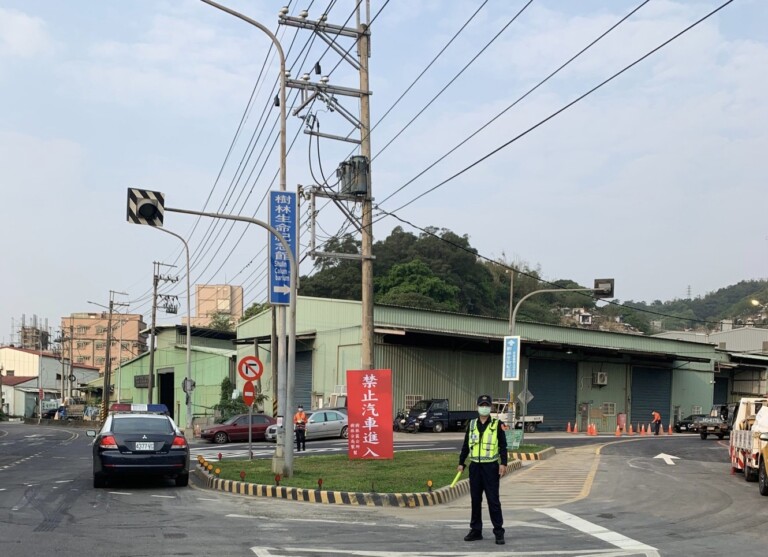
(100, 330)
(100, 360)
(81, 344)
(81, 329)
(609, 409)
(9, 373)
(100, 345)
(696, 410)
(125, 345)
(410, 400)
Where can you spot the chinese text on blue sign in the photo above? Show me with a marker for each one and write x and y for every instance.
(282, 217)
(511, 371)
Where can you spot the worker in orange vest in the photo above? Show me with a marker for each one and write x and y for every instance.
(300, 425)
(656, 422)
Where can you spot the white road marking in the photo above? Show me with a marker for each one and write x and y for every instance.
(329, 521)
(206, 499)
(609, 536)
(286, 551)
(119, 493)
(164, 496)
(63, 481)
(512, 524)
(667, 458)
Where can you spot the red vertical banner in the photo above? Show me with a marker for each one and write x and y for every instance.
(369, 406)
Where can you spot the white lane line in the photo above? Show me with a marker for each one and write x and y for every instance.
(165, 496)
(63, 481)
(206, 499)
(2, 489)
(260, 551)
(609, 536)
(330, 521)
(119, 493)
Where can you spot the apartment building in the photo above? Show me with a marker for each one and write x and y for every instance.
(212, 299)
(86, 336)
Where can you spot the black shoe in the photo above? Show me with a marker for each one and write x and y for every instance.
(473, 536)
(500, 540)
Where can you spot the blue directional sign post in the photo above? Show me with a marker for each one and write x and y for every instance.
(282, 217)
(511, 371)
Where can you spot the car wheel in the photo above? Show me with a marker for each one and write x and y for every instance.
(704, 435)
(762, 479)
(438, 427)
(530, 428)
(182, 480)
(344, 432)
(220, 438)
(99, 481)
(720, 436)
(750, 474)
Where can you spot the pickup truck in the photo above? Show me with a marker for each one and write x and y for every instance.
(433, 414)
(500, 410)
(716, 423)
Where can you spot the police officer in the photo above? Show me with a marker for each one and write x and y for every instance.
(486, 446)
(300, 424)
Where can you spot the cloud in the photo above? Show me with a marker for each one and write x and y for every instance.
(22, 36)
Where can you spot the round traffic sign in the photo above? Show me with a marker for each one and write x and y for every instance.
(250, 368)
(249, 393)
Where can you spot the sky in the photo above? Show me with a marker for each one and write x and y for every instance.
(656, 179)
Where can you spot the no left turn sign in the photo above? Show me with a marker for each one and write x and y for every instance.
(250, 368)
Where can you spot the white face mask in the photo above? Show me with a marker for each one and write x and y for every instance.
(484, 410)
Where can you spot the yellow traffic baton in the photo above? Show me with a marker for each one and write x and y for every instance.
(456, 479)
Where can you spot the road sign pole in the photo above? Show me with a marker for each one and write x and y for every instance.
(250, 431)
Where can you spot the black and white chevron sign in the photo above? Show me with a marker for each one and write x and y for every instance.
(145, 207)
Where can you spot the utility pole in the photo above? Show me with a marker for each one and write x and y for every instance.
(354, 173)
(108, 355)
(156, 278)
(363, 53)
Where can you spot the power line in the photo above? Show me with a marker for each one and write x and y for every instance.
(567, 106)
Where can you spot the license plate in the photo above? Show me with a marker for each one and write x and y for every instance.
(145, 446)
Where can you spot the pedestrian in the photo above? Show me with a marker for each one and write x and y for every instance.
(300, 425)
(656, 422)
(485, 443)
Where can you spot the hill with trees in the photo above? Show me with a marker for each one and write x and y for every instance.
(440, 270)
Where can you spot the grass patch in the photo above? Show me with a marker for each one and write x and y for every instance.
(407, 472)
(530, 449)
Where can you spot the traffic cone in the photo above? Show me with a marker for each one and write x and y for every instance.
(670, 430)
(642, 429)
(575, 427)
(569, 428)
(631, 431)
(618, 431)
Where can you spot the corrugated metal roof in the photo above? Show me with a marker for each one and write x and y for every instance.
(208, 350)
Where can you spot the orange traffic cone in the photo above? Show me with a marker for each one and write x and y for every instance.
(575, 427)
(569, 428)
(642, 429)
(670, 430)
(631, 431)
(618, 431)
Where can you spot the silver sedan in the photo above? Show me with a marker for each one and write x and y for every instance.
(320, 424)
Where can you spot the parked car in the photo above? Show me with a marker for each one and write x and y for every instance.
(236, 429)
(320, 424)
(139, 440)
(689, 423)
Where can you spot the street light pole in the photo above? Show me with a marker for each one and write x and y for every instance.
(603, 288)
(281, 463)
(188, 431)
(284, 383)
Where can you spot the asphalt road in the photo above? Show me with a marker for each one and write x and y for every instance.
(633, 504)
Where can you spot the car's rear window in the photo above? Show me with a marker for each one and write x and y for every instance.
(139, 424)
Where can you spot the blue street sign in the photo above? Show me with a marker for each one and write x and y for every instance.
(282, 217)
(511, 371)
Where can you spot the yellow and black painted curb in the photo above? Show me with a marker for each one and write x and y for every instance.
(541, 455)
(422, 499)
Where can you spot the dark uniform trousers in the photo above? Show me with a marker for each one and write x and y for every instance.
(301, 439)
(484, 478)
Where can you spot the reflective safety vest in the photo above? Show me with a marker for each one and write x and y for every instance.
(486, 448)
(300, 419)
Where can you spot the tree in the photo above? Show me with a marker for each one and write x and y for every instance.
(415, 284)
(228, 406)
(221, 322)
(253, 310)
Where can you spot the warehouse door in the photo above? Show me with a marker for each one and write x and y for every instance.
(721, 391)
(651, 390)
(303, 393)
(553, 386)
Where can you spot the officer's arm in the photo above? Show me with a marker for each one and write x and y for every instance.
(464, 451)
(502, 444)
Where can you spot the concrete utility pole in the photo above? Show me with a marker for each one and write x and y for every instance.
(363, 53)
(156, 278)
(108, 354)
(360, 190)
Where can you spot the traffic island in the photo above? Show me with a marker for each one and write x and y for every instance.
(538, 455)
(420, 499)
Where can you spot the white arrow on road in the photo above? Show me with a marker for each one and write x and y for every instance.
(667, 458)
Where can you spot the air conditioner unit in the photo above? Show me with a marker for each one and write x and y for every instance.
(600, 378)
